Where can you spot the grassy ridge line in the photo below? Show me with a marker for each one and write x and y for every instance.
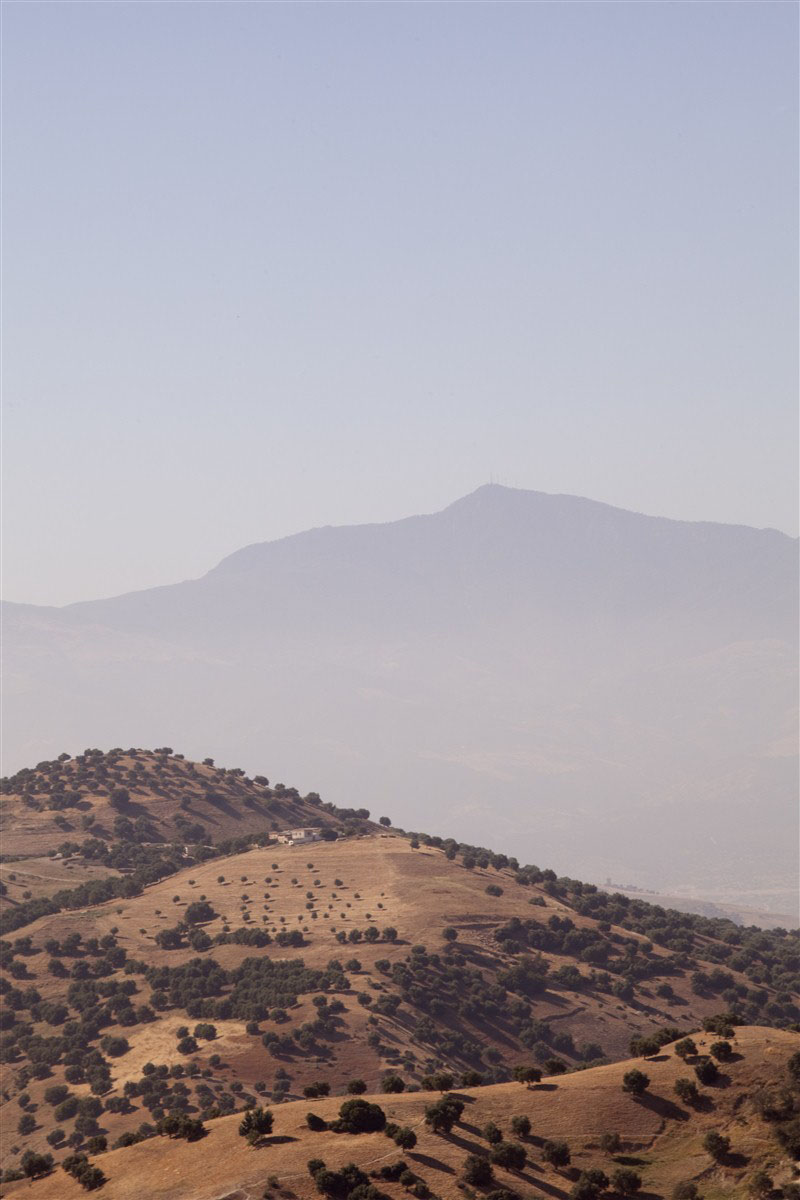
(636, 915)
(102, 787)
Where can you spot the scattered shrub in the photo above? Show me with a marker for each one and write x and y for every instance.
(626, 1181)
(716, 1144)
(521, 1126)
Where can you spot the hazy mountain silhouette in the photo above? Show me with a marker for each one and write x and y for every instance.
(604, 692)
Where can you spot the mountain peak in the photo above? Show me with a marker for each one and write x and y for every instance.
(548, 665)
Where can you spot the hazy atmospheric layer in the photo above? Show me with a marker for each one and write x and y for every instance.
(607, 693)
(269, 266)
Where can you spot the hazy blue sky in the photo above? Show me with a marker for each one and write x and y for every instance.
(272, 266)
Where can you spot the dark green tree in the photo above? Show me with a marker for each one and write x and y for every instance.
(686, 1090)
(635, 1082)
(359, 1116)
(556, 1153)
(477, 1171)
(716, 1144)
(256, 1124)
(510, 1155)
(626, 1181)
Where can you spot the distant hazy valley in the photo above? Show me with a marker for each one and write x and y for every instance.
(609, 694)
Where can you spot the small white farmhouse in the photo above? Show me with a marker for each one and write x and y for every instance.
(295, 837)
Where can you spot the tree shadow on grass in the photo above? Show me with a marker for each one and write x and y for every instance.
(735, 1160)
(470, 1147)
(435, 1164)
(277, 1140)
(477, 956)
(134, 808)
(663, 1107)
(542, 1185)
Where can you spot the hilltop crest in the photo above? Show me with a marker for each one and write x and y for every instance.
(152, 796)
(582, 682)
(376, 955)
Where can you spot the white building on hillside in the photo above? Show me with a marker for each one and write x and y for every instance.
(294, 837)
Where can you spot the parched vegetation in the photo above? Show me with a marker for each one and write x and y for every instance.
(221, 992)
(769, 959)
(134, 810)
(249, 992)
(476, 1141)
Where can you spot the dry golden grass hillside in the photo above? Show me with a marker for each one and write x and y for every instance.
(661, 1139)
(410, 1005)
(167, 798)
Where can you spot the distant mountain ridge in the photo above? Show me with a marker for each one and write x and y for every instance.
(586, 681)
(532, 534)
